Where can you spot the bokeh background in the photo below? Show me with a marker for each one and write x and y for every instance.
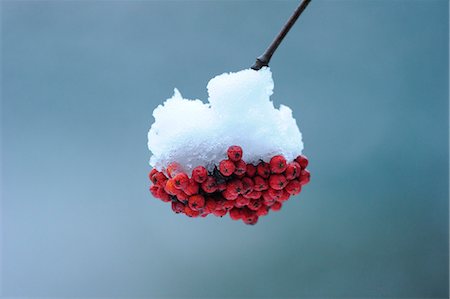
(368, 84)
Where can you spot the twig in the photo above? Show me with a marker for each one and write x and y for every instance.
(264, 59)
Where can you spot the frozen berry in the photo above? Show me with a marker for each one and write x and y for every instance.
(229, 195)
(262, 211)
(181, 195)
(163, 195)
(247, 185)
(226, 167)
(241, 201)
(228, 204)
(177, 207)
(292, 170)
(181, 181)
(250, 170)
(255, 203)
(210, 185)
(199, 174)
(277, 164)
(210, 205)
(196, 202)
(285, 196)
(294, 187)
(267, 198)
(260, 183)
(170, 187)
(275, 194)
(154, 190)
(254, 194)
(263, 170)
(304, 177)
(235, 214)
(220, 213)
(302, 160)
(173, 169)
(190, 212)
(222, 186)
(276, 206)
(152, 172)
(235, 186)
(277, 181)
(249, 216)
(159, 179)
(241, 167)
(234, 153)
(192, 188)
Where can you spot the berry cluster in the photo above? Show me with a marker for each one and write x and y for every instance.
(245, 191)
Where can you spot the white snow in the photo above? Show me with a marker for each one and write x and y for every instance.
(239, 112)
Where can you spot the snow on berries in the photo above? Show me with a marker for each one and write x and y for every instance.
(246, 195)
(236, 153)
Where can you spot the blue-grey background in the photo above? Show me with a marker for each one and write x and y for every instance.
(368, 84)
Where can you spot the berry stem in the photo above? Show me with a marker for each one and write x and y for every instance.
(264, 59)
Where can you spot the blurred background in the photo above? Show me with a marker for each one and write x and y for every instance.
(368, 84)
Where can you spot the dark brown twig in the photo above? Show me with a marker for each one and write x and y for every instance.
(264, 59)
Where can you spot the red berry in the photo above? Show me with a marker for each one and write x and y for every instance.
(177, 207)
(210, 185)
(228, 204)
(210, 205)
(181, 195)
(302, 160)
(235, 214)
(241, 201)
(249, 216)
(267, 198)
(154, 190)
(163, 195)
(263, 170)
(234, 153)
(276, 206)
(277, 181)
(181, 181)
(220, 201)
(220, 213)
(235, 186)
(292, 170)
(304, 177)
(159, 179)
(152, 172)
(285, 196)
(170, 187)
(277, 164)
(222, 186)
(255, 204)
(173, 169)
(254, 194)
(247, 185)
(262, 211)
(199, 174)
(251, 170)
(190, 212)
(192, 188)
(275, 194)
(241, 167)
(196, 202)
(226, 167)
(294, 187)
(240, 176)
(260, 184)
(229, 195)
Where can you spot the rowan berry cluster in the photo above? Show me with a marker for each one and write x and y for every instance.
(245, 191)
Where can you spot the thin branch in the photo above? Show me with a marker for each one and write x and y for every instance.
(264, 59)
